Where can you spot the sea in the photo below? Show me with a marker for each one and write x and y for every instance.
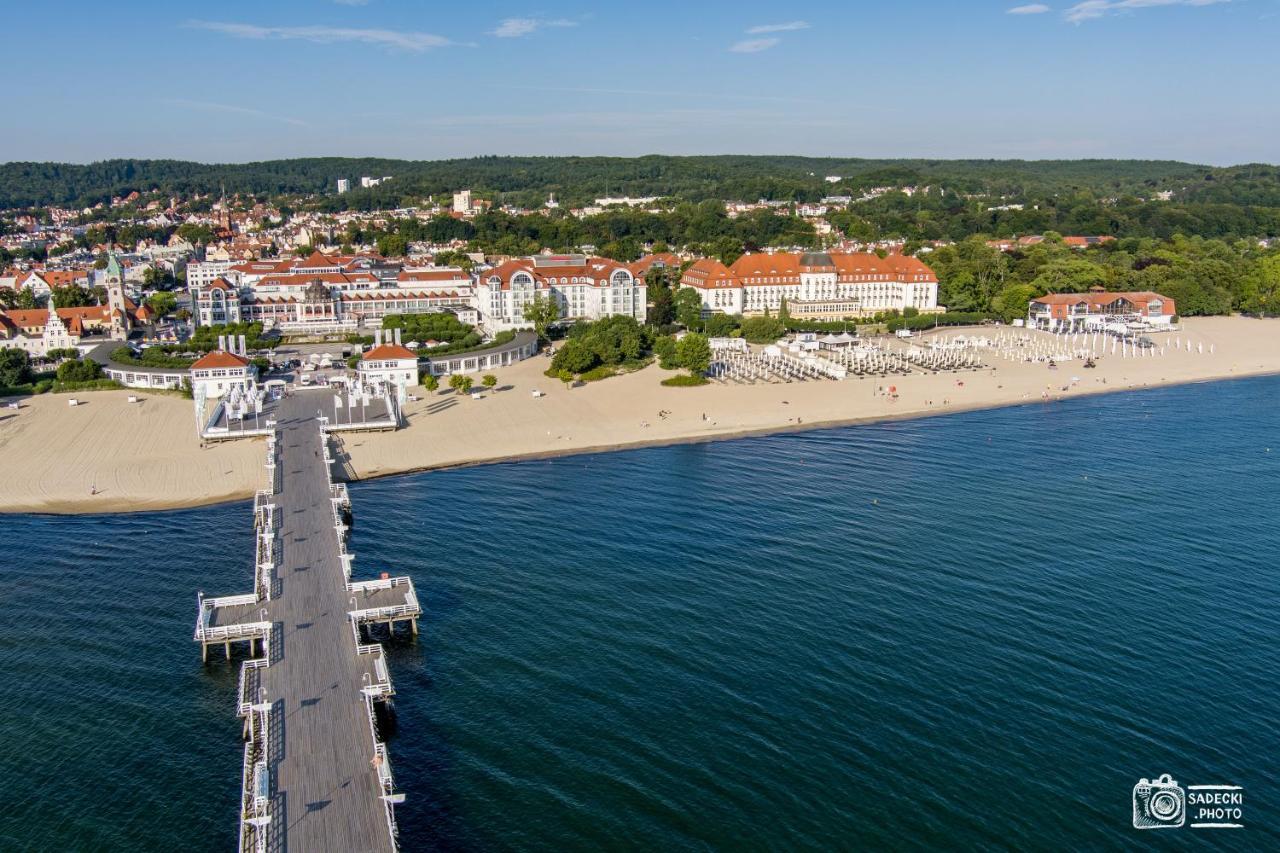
(966, 632)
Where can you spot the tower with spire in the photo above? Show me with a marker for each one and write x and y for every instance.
(117, 306)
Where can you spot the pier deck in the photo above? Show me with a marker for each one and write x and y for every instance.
(317, 776)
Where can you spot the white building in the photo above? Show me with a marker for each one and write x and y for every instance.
(201, 275)
(463, 202)
(217, 303)
(815, 285)
(344, 185)
(324, 293)
(583, 289)
(22, 329)
(219, 373)
(389, 363)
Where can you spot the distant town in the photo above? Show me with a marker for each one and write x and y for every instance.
(379, 289)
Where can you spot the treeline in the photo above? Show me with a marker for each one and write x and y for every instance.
(618, 234)
(942, 216)
(1203, 276)
(527, 181)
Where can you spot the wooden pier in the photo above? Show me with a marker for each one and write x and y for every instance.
(316, 774)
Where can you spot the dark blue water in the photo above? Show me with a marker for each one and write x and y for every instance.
(966, 632)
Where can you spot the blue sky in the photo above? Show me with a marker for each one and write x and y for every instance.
(233, 81)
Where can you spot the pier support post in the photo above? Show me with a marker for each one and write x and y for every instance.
(204, 652)
(226, 649)
(413, 623)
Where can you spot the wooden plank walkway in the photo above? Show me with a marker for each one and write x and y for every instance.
(325, 791)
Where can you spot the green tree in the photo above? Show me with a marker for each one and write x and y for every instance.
(430, 381)
(154, 277)
(1012, 301)
(662, 309)
(565, 376)
(1068, 275)
(575, 356)
(79, 370)
(15, 367)
(688, 308)
(71, 296)
(721, 325)
(194, 233)
(762, 330)
(665, 349)
(1260, 290)
(460, 383)
(162, 302)
(541, 311)
(694, 353)
(489, 381)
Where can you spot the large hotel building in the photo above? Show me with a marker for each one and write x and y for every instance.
(817, 285)
(583, 288)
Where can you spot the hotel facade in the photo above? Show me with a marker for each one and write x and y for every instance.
(815, 285)
(325, 294)
(583, 288)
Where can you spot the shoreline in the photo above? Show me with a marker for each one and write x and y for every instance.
(866, 420)
(145, 457)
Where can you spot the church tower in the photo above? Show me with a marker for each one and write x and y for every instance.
(117, 307)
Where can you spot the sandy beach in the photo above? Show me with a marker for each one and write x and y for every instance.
(146, 456)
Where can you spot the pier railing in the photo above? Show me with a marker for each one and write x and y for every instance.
(255, 788)
(208, 633)
(250, 686)
(408, 610)
(379, 583)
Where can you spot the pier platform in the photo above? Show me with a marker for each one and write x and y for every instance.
(316, 775)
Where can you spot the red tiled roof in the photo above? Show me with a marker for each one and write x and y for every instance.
(219, 358)
(388, 352)
(785, 268)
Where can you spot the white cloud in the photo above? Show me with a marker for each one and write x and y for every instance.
(1090, 9)
(1029, 9)
(327, 35)
(211, 106)
(513, 28)
(753, 45)
(790, 26)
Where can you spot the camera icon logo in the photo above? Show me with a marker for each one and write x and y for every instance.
(1159, 804)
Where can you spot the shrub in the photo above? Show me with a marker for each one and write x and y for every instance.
(597, 373)
(59, 387)
(151, 357)
(721, 325)
(665, 349)
(683, 380)
(928, 321)
(77, 371)
(763, 330)
(489, 380)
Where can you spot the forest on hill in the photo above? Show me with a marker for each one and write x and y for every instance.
(527, 181)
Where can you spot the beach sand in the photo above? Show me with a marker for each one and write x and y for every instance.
(146, 455)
